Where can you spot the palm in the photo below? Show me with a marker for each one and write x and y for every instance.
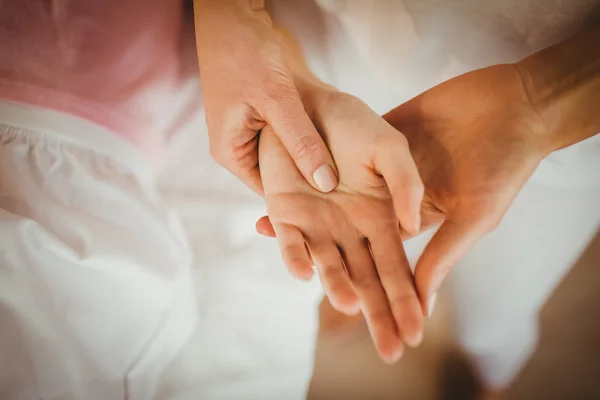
(337, 213)
(352, 232)
(472, 139)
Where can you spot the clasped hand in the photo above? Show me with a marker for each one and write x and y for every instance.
(475, 140)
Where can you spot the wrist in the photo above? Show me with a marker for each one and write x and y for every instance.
(313, 92)
(562, 85)
(542, 107)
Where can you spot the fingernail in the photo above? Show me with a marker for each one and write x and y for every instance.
(398, 353)
(416, 340)
(395, 356)
(325, 179)
(431, 304)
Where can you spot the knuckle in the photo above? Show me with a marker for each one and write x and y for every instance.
(280, 90)
(490, 217)
(331, 272)
(400, 301)
(380, 317)
(401, 140)
(388, 268)
(364, 283)
(389, 141)
(307, 146)
(491, 222)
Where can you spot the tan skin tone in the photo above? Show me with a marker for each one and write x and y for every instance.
(246, 86)
(477, 138)
(473, 156)
(352, 234)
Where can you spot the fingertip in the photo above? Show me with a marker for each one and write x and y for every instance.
(264, 227)
(350, 306)
(415, 339)
(410, 323)
(392, 356)
(345, 302)
(451, 242)
(301, 269)
(325, 179)
(413, 226)
(431, 304)
(408, 210)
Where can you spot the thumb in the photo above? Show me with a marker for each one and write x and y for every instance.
(291, 123)
(450, 243)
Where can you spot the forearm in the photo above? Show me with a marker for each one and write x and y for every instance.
(563, 85)
(220, 21)
(224, 4)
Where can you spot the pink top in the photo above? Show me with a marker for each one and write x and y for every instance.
(114, 62)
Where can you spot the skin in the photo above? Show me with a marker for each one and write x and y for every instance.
(246, 86)
(352, 233)
(477, 138)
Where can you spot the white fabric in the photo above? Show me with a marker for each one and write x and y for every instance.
(106, 294)
(95, 290)
(257, 333)
(96, 295)
(386, 52)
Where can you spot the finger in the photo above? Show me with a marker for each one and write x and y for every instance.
(397, 279)
(285, 113)
(430, 218)
(293, 251)
(374, 303)
(400, 173)
(450, 243)
(250, 177)
(334, 278)
(264, 227)
(239, 156)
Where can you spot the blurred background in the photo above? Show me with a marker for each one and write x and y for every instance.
(566, 364)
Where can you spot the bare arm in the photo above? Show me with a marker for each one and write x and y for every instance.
(563, 84)
(247, 86)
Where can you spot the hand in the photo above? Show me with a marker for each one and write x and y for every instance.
(476, 140)
(247, 86)
(352, 233)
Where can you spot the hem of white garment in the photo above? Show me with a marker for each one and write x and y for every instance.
(170, 339)
(76, 131)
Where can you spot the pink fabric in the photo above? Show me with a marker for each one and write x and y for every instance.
(114, 62)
